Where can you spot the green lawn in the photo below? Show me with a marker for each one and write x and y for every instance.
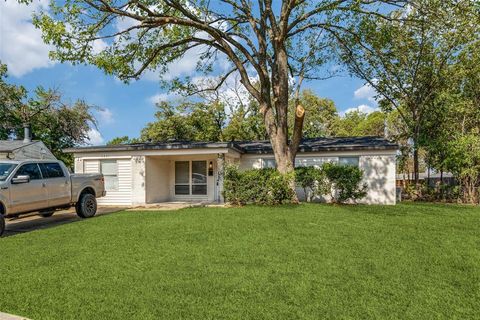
(411, 261)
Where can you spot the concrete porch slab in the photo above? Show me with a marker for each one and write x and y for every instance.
(177, 205)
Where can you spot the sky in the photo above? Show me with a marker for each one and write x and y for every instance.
(124, 109)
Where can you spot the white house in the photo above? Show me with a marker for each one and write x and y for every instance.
(139, 174)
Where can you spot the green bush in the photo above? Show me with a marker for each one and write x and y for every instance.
(259, 186)
(313, 181)
(345, 182)
(269, 187)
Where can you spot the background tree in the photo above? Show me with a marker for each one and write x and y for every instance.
(356, 123)
(58, 124)
(320, 115)
(267, 43)
(122, 140)
(406, 60)
(187, 121)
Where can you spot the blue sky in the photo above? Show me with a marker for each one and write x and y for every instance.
(126, 108)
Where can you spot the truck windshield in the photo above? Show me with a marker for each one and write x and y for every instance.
(5, 170)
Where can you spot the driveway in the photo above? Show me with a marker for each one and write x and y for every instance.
(35, 222)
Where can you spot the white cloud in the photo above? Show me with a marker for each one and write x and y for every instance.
(361, 108)
(106, 116)
(98, 46)
(95, 137)
(366, 92)
(21, 44)
(163, 97)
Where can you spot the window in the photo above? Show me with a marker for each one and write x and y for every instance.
(109, 169)
(182, 180)
(191, 177)
(269, 163)
(5, 170)
(348, 161)
(31, 170)
(199, 177)
(51, 170)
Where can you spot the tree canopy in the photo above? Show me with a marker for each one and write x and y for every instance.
(58, 124)
(267, 43)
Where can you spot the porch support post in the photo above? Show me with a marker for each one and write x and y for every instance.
(138, 180)
(220, 175)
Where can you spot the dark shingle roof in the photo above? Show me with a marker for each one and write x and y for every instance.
(255, 147)
(12, 145)
(326, 144)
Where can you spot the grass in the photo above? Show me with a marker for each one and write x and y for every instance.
(412, 261)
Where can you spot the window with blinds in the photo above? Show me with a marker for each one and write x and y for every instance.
(109, 169)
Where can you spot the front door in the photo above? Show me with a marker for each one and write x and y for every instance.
(29, 196)
(191, 179)
(58, 184)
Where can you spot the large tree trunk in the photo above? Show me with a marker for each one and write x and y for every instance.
(416, 164)
(276, 122)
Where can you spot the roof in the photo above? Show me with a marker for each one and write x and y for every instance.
(253, 147)
(175, 145)
(326, 144)
(12, 145)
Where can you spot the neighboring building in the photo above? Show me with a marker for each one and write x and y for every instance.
(138, 174)
(21, 150)
(434, 179)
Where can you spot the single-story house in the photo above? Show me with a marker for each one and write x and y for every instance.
(24, 149)
(143, 173)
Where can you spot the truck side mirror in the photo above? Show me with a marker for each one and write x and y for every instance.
(21, 179)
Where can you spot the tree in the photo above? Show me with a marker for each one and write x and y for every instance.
(406, 60)
(320, 115)
(186, 121)
(464, 161)
(357, 123)
(267, 43)
(122, 140)
(58, 124)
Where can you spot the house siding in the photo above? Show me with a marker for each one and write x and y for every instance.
(148, 177)
(379, 169)
(122, 196)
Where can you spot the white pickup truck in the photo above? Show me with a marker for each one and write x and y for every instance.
(44, 186)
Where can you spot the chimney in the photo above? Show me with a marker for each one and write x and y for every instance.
(27, 138)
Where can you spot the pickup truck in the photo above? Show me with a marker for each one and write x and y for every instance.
(44, 186)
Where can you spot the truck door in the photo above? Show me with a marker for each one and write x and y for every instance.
(58, 184)
(31, 195)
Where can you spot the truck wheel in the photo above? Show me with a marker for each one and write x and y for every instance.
(2, 224)
(86, 207)
(47, 214)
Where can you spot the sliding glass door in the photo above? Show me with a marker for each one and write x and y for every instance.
(191, 178)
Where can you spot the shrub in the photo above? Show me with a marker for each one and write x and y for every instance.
(345, 182)
(312, 180)
(259, 186)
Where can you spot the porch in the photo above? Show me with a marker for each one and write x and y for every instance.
(184, 179)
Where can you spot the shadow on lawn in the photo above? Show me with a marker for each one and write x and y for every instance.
(35, 222)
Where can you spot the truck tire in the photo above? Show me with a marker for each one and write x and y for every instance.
(2, 224)
(86, 207)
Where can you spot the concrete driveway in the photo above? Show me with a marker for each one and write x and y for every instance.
(35, 222)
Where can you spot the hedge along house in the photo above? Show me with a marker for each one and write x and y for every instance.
(139, 174)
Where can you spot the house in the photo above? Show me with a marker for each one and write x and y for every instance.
(139, 174)
(20, 150)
